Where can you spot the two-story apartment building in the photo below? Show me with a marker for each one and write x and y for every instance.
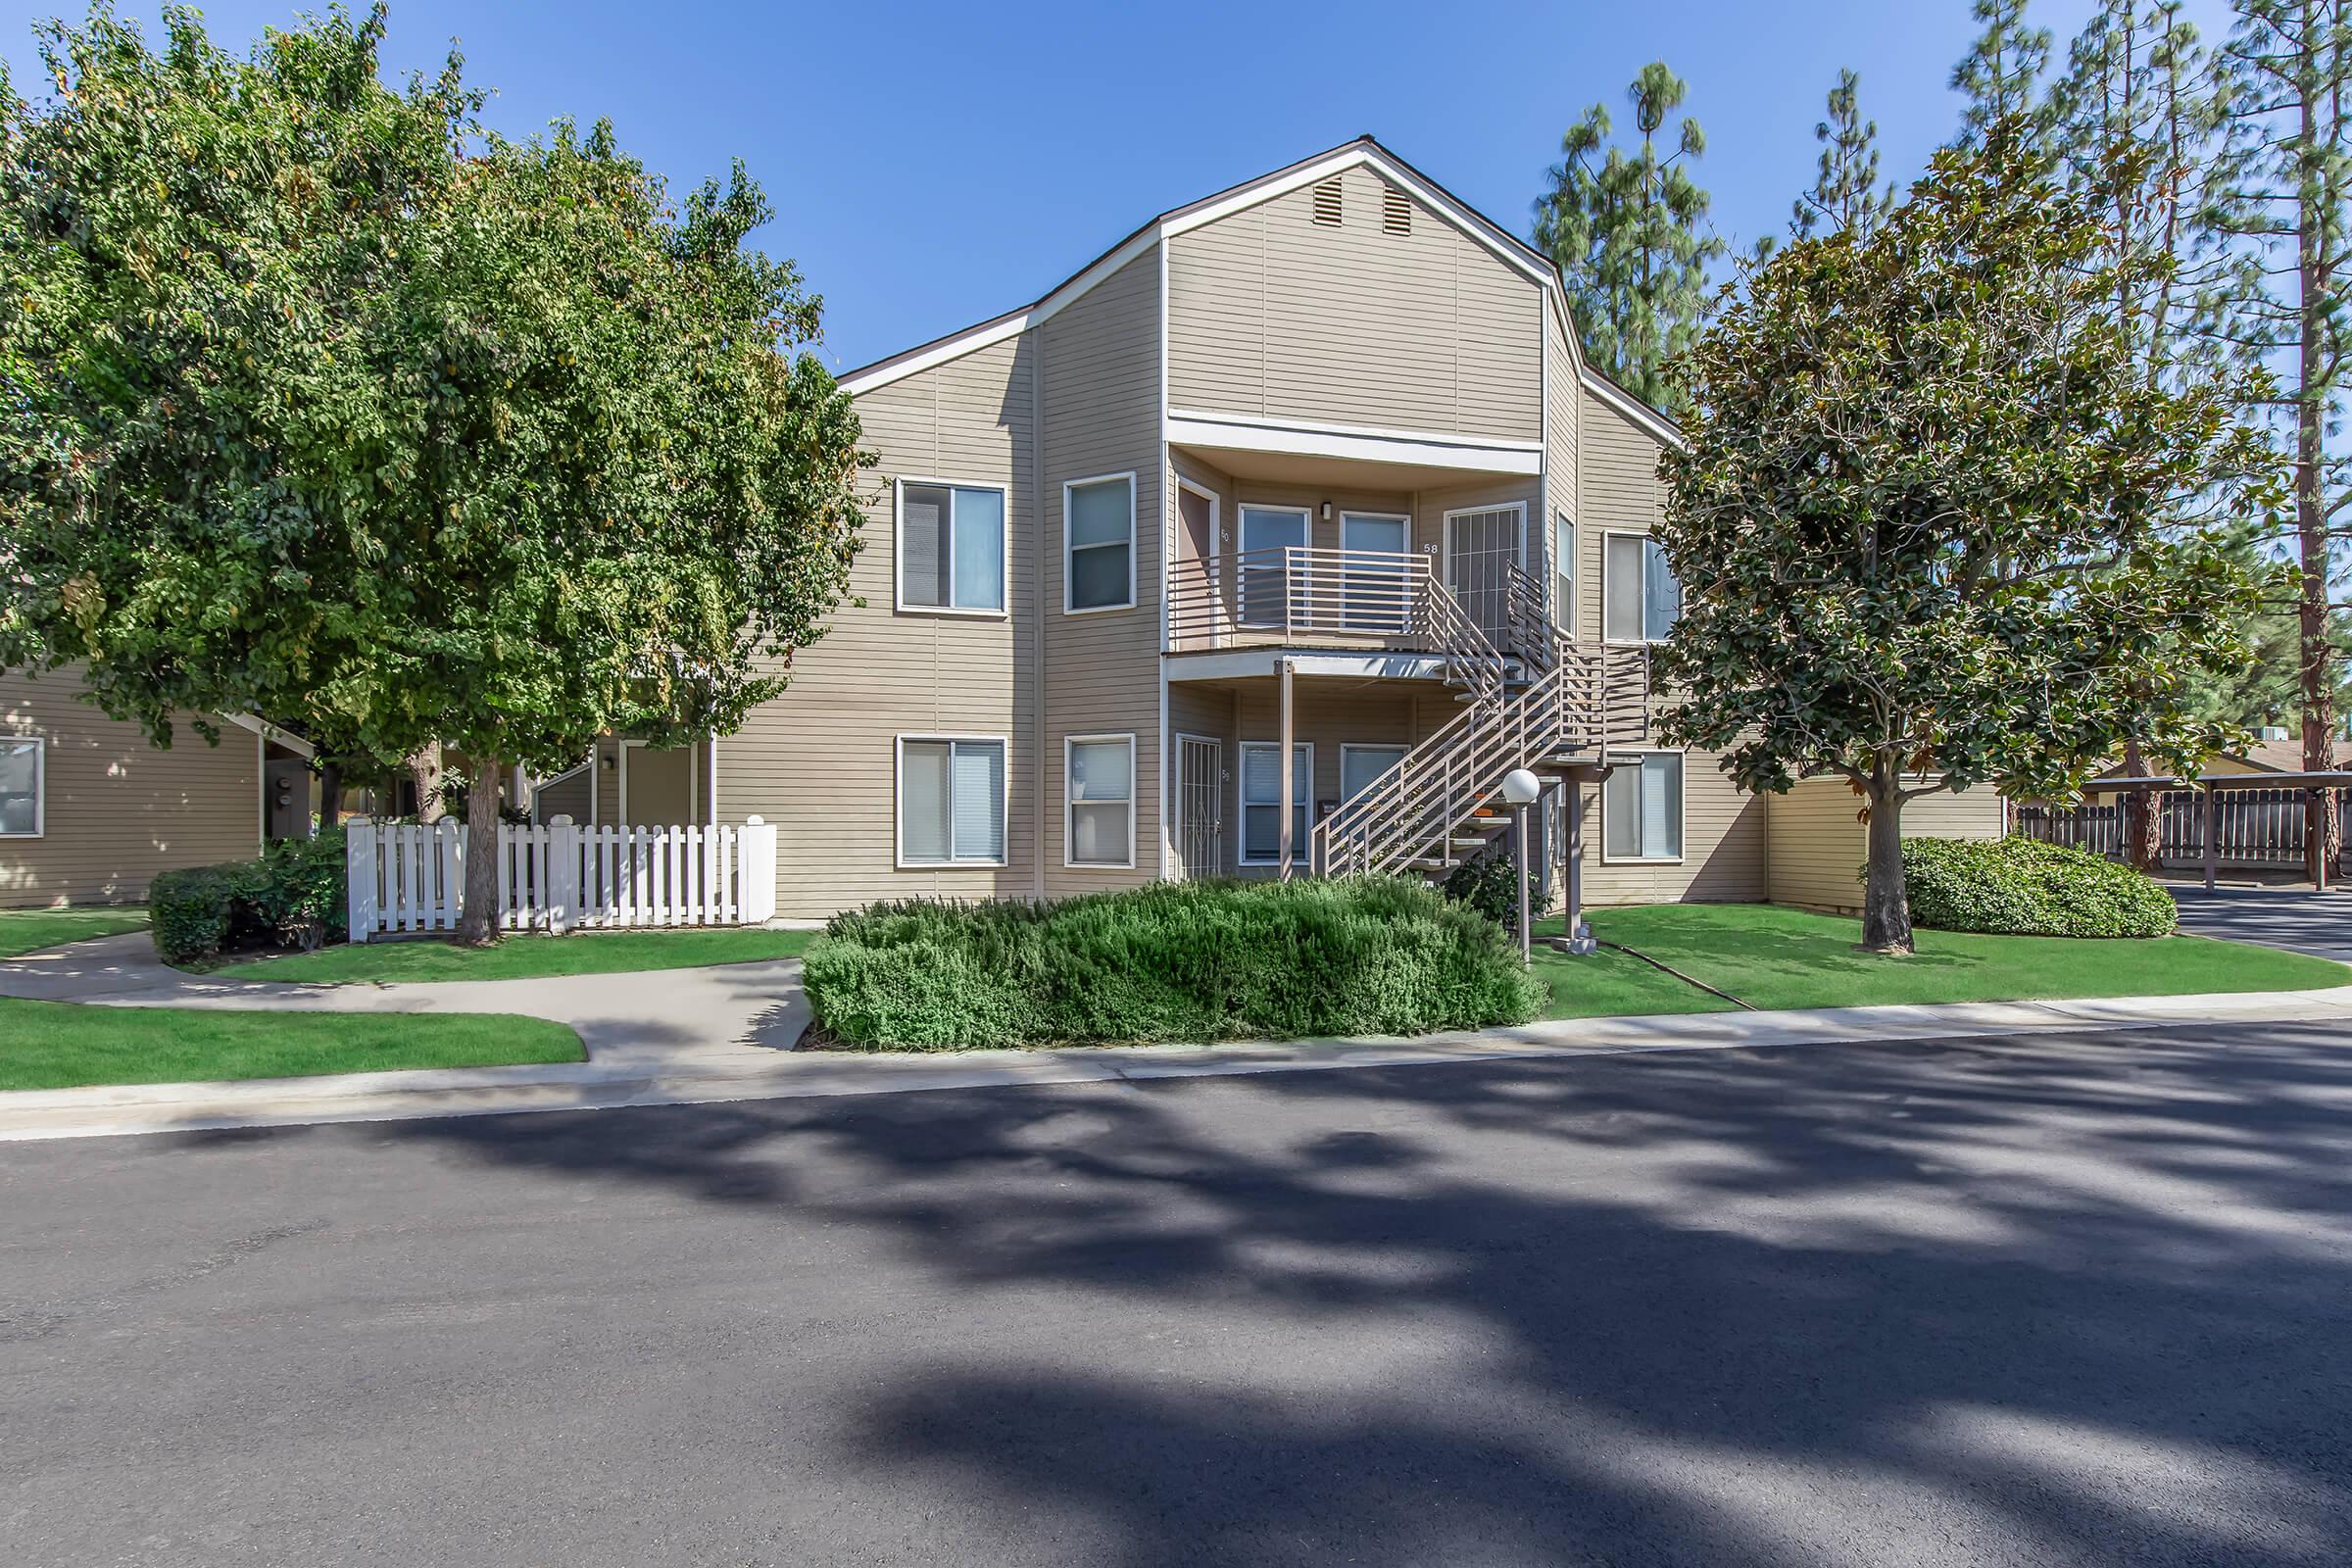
(1317, 457)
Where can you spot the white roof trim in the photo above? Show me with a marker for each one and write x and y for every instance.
(270, 732)
(1648, 420)
(1419, 448)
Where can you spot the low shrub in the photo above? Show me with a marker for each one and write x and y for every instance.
(2022, 887)
(1171, 961)
(1487, 882)
(292, 896)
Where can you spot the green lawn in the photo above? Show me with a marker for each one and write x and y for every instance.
(525, 957)
(58, 1045)
(1775, 958)
(1604, 984)
(38, 930)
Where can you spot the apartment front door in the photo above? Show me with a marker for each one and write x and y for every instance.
(1377, 590)
(1265, 577)
(1200, 804)
(1482, 546)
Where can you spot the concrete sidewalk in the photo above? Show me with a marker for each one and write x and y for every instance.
(689, 1076)
(723, 1017)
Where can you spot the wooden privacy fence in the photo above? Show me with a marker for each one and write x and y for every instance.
(558, 876)
(2252, 827)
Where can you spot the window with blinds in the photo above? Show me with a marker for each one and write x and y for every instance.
(951, 802)
(950, 547)
(1641, 601)
(1641, 809)
(1261, 801)
(1098, 523)
(1100, 785)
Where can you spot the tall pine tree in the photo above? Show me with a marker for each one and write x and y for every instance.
(2286, 180)
(1847, 194)
(2002, 74)
(1628, 232)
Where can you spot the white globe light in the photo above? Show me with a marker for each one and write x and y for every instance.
(1522, 788)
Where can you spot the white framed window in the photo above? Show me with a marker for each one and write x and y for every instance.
(1639, 600)
(950, 547)
(1261, 787)
(1360, 764)
(23, 775)
(1265, 581)
(950, 799)
(1564, 572)
(1097, 775)
(1641, 809)
(1097, 528)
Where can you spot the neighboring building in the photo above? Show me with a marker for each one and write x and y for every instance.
(89, 811)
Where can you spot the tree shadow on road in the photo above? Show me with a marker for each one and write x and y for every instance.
(2072, 1300)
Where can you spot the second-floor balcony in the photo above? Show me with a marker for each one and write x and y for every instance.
(1299, 597)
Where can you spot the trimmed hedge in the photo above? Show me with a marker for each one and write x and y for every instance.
(1171, 961)
(293, 895)
(2023, 887)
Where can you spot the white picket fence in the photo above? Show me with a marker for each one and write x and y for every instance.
(558, 876)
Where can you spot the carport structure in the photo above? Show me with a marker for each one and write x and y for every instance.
(2255, 819)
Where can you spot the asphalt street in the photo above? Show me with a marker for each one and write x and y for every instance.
(2064, 1300)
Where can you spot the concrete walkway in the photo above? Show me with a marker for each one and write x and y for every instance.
(723, 1017)
(696, 1036)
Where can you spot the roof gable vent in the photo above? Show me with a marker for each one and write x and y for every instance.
(1395, 212)
(1327, 202)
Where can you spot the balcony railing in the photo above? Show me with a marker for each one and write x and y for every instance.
(1343, 597)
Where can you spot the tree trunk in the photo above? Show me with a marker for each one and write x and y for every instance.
(2140, 847)
(1885, 909)
(477, 925)
(2318, 662)
(331, 796)
(426, 769)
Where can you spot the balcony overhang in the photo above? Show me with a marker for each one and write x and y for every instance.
(1290, 452)
(1243, 663)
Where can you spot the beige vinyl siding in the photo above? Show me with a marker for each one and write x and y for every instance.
(1273, 314)
(1102, 417)
(822, 761)
(1560, 465)
(1818, 841)
(1725, 832)
(1724, 846)
(115, 810)
(565, 797)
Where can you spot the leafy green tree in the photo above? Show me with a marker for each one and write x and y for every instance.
(1918, 518)
(2002, 72)
(325, 404)
(1630, 235)
(2285, 196)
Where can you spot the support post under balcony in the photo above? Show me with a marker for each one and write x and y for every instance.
(1284, 765)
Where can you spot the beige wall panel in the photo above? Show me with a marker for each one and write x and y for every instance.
(820, 762)
(1818, 842)
(1560, 465)
(1103, 416)
(116, 810)
(1724, 846)
(1274, 315)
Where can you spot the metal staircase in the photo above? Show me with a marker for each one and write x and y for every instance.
(1548, 704)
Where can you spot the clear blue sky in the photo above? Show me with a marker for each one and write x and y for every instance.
(935, 163)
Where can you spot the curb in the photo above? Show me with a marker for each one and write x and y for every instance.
(114, 1110)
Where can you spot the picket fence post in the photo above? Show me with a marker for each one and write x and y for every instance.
(756, 871)
(360, 874)
(563, 875)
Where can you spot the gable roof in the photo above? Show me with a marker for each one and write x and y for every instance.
(1362, 151)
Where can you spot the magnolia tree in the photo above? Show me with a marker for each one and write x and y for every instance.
(1921, 517)
(327, 405)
